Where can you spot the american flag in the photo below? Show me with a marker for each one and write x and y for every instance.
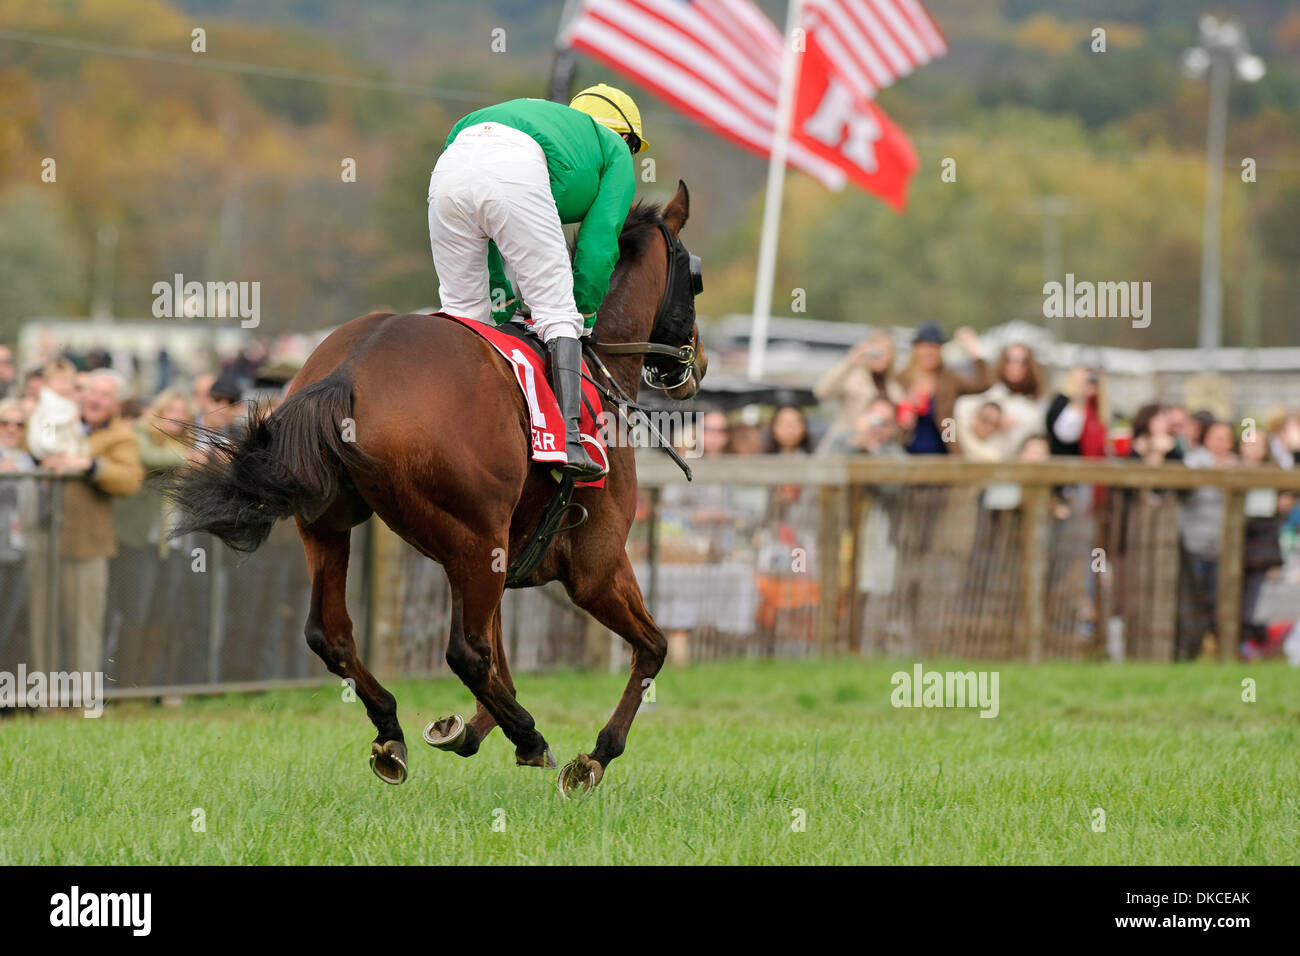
(716, 61)
(719, 61)
(871, 43)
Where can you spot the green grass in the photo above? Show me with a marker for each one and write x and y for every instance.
(1185, 771)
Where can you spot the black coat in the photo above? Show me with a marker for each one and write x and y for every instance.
(1263, 548)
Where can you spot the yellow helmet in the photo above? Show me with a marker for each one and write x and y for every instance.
(612, 108)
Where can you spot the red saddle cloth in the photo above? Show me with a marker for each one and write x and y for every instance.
(543, 409)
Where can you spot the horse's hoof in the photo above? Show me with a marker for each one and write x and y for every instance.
(389, 761)
(582, 772)
(446, 734)
(545, 760)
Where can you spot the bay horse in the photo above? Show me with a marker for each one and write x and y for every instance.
(441, 455)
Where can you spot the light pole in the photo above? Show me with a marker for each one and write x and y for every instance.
(101, 305)
(1223, 50)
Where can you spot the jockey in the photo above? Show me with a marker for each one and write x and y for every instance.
(509, 176)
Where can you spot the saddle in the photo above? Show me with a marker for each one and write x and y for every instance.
(523, 349)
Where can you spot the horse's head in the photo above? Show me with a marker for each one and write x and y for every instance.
(650, 308)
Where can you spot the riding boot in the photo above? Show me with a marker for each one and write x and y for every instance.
(566, 380)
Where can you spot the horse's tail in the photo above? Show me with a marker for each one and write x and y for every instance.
(283, 463)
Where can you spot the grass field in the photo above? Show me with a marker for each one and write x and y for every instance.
(1185, 771)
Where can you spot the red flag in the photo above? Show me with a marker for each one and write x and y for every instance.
(863, 144)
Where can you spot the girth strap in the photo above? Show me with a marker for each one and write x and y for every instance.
(530, 558)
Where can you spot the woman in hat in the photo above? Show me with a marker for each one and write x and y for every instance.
(933, 389)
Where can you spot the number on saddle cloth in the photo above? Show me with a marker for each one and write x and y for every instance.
(526, 334)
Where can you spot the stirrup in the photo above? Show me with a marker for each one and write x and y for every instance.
(580, 474)
(588, 470)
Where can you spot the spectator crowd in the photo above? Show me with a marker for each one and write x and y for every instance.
(119, 572)
(1003, 409)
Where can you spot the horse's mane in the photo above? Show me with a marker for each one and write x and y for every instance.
(638, 227)
(640, 224)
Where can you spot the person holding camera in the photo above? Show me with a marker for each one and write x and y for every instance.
(862, 376)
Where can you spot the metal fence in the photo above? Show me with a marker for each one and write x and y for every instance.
(768, 556)
(165, 615)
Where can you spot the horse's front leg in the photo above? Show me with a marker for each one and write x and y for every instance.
(329, 634)
(617, 603)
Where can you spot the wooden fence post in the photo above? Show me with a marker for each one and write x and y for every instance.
(598, 654)
(828, 549)
(856, 494)
(1231, 555)
(652, 549)
(385, 598)
(1033, 569)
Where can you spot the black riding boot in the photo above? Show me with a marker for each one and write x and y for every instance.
(566, 380)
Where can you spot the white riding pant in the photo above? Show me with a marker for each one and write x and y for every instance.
(493, 183)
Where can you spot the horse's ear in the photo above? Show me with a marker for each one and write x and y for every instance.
(678, 209)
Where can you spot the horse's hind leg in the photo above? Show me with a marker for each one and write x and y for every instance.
(463, 737)
(616, 602)
(329, 634)
(475, 621)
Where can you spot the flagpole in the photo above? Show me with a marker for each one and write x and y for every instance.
(772, 201)
(565, 63)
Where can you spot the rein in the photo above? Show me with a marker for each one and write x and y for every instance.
(615, 395)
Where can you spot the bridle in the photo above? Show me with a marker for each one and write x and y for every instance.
(680, 359)
(676, 307)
